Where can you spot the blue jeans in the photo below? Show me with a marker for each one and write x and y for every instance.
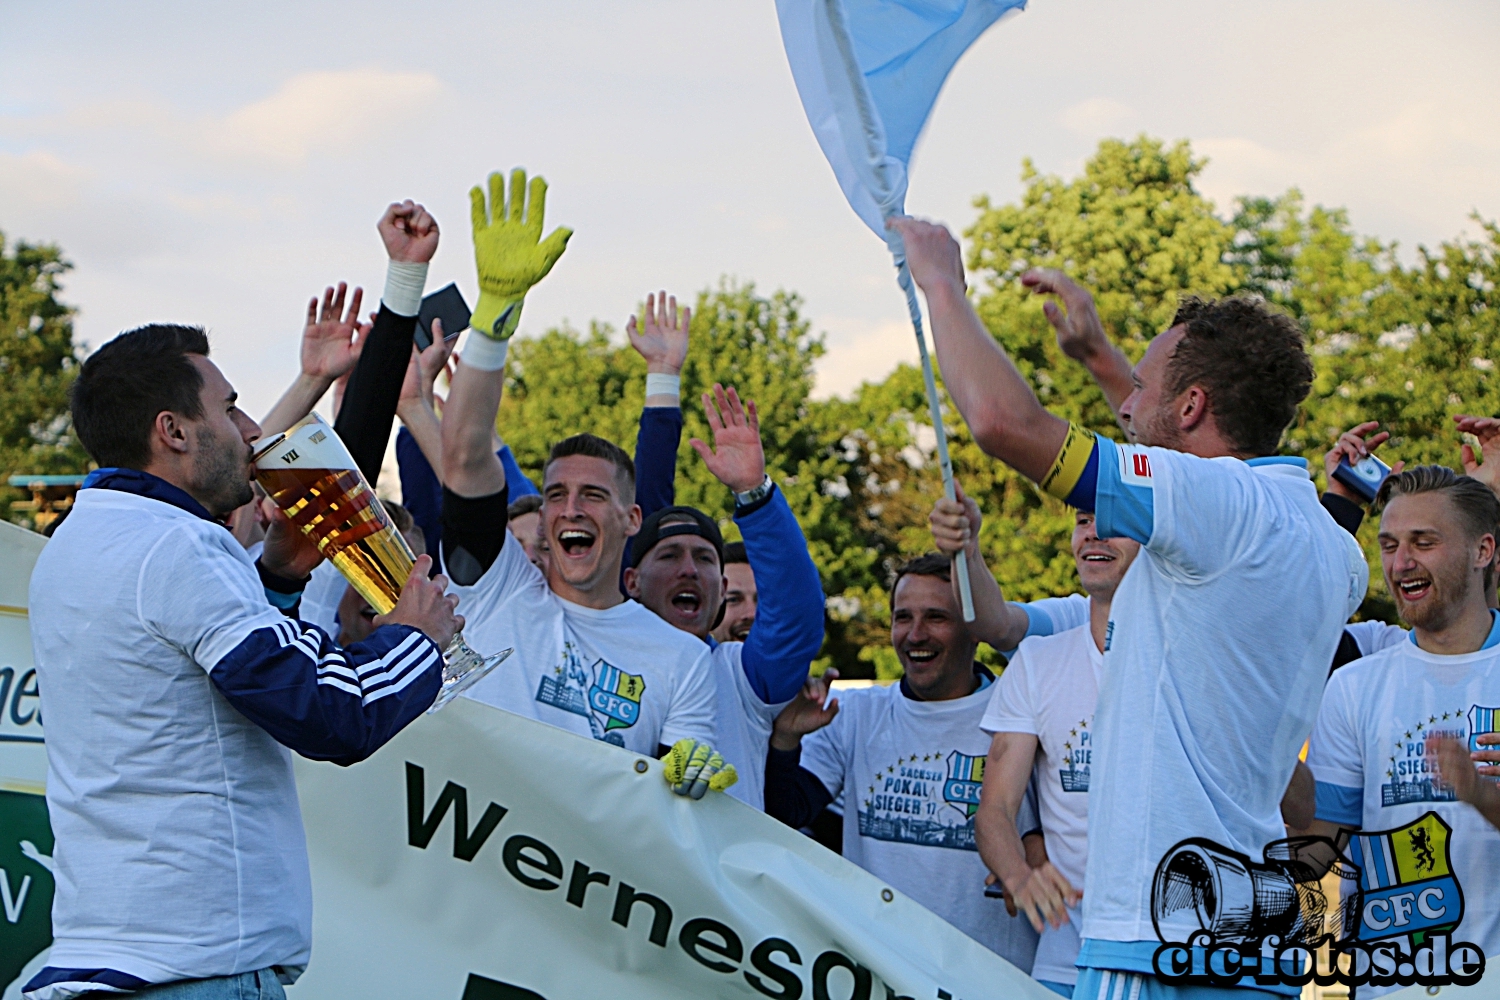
(261, 985)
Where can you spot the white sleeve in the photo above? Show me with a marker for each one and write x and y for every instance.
(1203, 511)
(691, 712)
(1372, 637)
(1011, 708)
(1052, 615)
(1334, 753)
(826, 752)
(198, 595)
(508, 574)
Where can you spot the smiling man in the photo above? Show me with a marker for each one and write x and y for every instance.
(587, 659)
(909, 760)
(1228, 620)
(677, 571)
(1397, 729)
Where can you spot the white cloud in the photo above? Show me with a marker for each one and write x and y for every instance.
(860, 351)
(322, 112)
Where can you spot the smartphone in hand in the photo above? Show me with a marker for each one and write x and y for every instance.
(1364, 477)
(446, 304)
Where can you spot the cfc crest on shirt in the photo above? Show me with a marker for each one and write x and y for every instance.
(965, 779)
(605, 695)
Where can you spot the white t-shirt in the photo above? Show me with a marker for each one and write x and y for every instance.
(621, 675)
(743, 723)
(1220, 639)
(912, 771)
(1050, 690)
(1368, 755)
(180, 851)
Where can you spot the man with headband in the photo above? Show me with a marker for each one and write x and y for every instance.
(1221, 633)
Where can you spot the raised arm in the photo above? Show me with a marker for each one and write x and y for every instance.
(332, 339)
(955, 528)
(510, 257)
(662, 340)
(1002, 412)
(788, 628)
(368, 411)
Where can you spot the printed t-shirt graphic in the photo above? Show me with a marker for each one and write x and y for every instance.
(1368, 756)
(621, 675)
(910, 773)
(1221, 636)
(1049, 690)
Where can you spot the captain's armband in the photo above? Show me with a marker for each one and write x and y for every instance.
(1070, 463)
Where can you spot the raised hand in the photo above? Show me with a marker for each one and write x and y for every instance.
(424, 368)
(1484, 466)
(663, 339)
(737, 459)
(1354, 446)
(509, 250)
(932, 254)
(332, 336)
(807, 713)
(1080, 335)
(409, 232)
(955, 523)
(424, 605)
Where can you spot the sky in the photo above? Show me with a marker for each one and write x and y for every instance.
(220, 164)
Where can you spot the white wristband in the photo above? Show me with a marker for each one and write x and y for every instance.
(662, 384)
(403, 287)
(482, 353)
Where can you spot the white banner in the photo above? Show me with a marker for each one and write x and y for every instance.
(482, 856)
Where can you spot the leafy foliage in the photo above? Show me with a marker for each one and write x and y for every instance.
(38, 362)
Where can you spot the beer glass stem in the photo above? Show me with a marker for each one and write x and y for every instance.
(462, 669)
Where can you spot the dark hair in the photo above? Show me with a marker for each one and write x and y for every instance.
(521, 506)
(127, 382)
(406, 525)
(1476, 504)
(734, 552)
(932, 564)
(596, 447)
(1252, 362)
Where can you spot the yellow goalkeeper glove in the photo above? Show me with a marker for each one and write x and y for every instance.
(509, 250)
(692, 768)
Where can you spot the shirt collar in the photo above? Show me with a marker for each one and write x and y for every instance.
(144, 484)
(1280, 465)
(980, 671)
(1490, 641)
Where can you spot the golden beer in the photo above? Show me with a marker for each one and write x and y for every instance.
(308, 472)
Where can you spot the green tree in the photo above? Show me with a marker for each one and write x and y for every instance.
(38, 362)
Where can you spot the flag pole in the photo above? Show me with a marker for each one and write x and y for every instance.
(960, 561)
(873, 136)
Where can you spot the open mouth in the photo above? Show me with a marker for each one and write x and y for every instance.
(575, 541)
(1098, 557)
(1414, 589)
(688, 602)
(921, 655)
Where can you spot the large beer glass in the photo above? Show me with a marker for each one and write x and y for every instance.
(311, 476)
